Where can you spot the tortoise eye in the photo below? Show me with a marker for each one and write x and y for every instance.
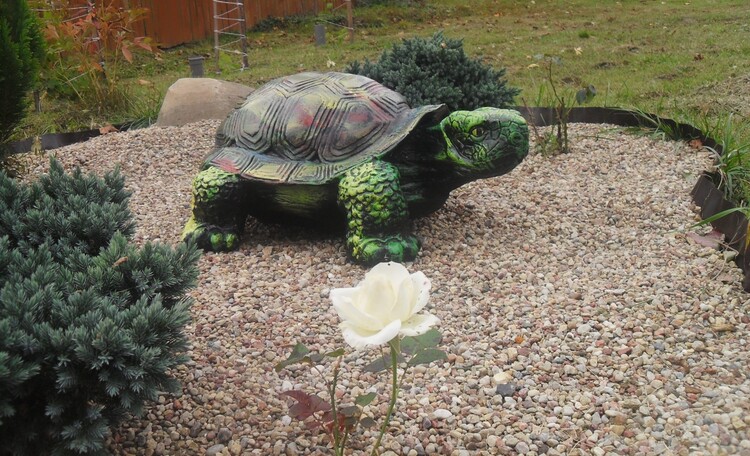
(478, 131)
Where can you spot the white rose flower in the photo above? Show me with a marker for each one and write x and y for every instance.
(383, 305)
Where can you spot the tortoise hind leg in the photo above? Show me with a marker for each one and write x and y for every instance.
(218, 211)
(378, 222)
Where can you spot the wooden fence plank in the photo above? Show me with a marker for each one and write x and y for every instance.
(174, 22)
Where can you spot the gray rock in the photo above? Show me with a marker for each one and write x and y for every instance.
(224, 435)
(522, 448)
(214, 449)
(192, 99)
(506, 389)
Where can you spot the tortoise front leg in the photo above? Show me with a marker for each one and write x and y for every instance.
(218, 211)
(378, 222)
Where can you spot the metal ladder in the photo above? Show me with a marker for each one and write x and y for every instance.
(230, 22)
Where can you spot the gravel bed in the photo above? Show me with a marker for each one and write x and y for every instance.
(578, 317)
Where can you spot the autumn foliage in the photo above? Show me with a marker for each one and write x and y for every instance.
(90, 44)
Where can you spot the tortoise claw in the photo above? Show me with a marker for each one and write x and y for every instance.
(400, 248)
(212, 238)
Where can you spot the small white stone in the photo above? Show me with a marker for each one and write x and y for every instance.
(442, 414)
(501, 378)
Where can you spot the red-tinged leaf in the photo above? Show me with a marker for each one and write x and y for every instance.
(126, 53)
(299, 412)
(343, 421)
(143, 43)
(307, 404)
(312, 424)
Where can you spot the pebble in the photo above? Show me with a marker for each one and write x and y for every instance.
(442, 414)
(215, 450)
(566, 290)
(506, 389)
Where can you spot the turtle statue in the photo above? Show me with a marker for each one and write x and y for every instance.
(342, 149)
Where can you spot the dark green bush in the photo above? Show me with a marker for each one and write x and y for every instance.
(21, 51)
(436, 70)
(89, 324)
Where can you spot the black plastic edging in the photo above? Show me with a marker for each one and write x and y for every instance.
(53, 140)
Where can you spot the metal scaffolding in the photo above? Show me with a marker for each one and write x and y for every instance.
(229, 20)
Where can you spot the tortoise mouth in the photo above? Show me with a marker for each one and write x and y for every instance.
(492, 158)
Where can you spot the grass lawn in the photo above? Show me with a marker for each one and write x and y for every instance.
(688, 60)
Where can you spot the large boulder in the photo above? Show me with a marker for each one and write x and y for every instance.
(193, 99)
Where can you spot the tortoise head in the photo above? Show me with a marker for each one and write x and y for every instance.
(485, 142)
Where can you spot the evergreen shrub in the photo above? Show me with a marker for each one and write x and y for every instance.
(436, 70)
(21, 52)
(90, 325)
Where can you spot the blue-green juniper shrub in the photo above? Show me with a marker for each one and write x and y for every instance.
(90, 325)
(435, 71)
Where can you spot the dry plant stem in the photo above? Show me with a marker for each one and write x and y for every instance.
(562, 114)
(394, 344)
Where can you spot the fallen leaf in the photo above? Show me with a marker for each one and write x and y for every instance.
(711, 240)
(119, 261)
(695, 143)
(519, 339)
(108, 129)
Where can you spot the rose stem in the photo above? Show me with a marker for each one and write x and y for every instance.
(395, 349)
(337, 447)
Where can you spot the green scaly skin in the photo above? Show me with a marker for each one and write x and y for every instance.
(215, 223)
(486, 141)
(377, 215)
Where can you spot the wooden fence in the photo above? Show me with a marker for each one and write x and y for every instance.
(174, 22)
